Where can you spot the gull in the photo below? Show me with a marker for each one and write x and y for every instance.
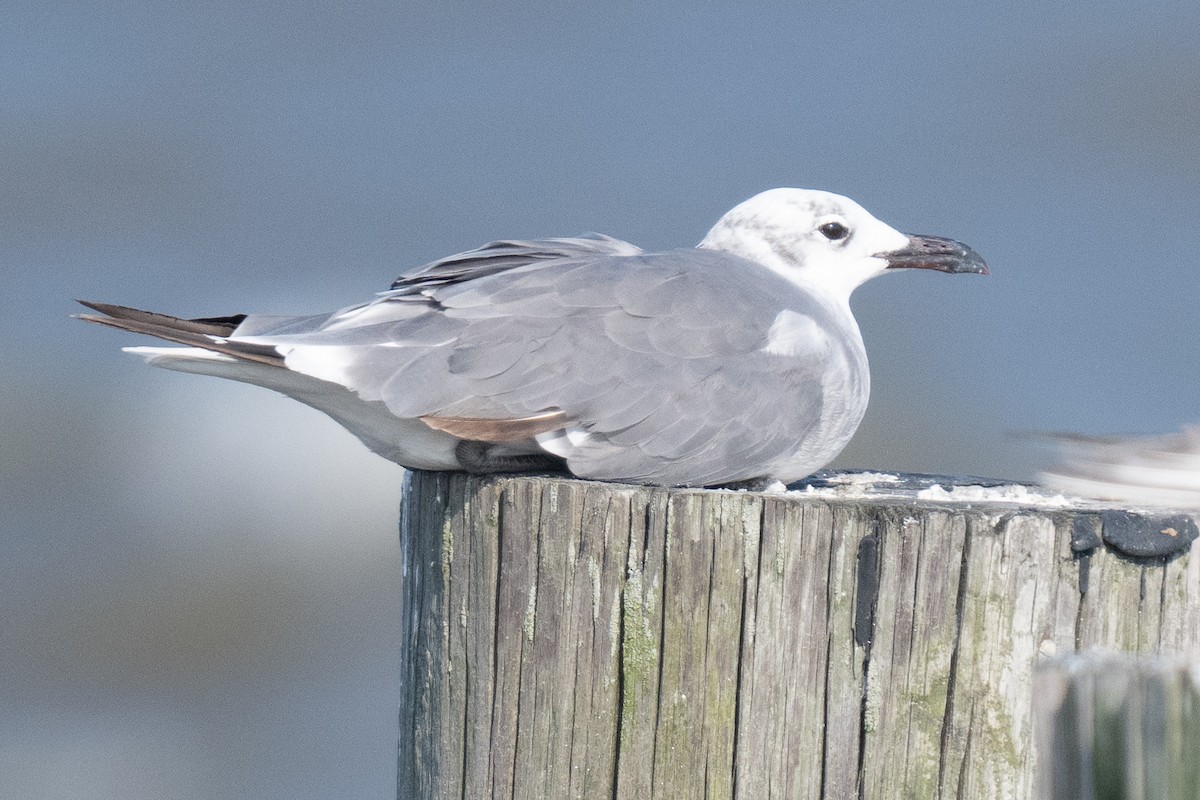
(1161, 470)
(734, 361)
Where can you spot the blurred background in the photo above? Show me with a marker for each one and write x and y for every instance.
(200, 579)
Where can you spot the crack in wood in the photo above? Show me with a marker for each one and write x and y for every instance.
(960, 599)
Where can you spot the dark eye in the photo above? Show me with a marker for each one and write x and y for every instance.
(834, 231)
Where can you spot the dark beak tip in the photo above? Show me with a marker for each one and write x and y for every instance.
(970, 265)
(940, 254)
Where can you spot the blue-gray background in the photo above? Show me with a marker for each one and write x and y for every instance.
(199, 579)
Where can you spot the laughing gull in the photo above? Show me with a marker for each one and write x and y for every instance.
(736, 360)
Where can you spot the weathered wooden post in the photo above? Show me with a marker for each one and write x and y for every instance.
(1118, 727)
(569, 639)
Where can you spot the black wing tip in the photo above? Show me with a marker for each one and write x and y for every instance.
(113, 310)
(206, 326)
(107, 319)
(204, 334)
(94, 305)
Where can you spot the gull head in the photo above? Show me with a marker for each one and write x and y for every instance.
(823, 240)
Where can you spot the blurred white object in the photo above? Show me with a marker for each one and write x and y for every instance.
(1159, 470)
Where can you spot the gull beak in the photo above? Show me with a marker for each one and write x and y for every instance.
(936, 252)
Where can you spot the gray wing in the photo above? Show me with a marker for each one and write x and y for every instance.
(650, 368)
(502, 255)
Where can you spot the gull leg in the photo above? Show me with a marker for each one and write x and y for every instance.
(480, 458)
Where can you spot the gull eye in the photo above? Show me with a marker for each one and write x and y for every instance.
(834, 231)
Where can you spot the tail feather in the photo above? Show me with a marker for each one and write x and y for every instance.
(207, 333)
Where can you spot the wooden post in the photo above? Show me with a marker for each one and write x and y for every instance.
(1118, 727)
(570, 639)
